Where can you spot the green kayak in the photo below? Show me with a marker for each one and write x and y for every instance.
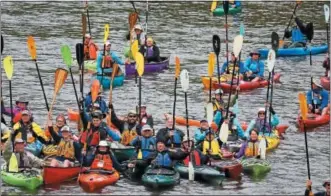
(89, 65)
(160, 177)
(202, 173)
(122, 153)
(256, 167)
(219, 11)
(29, 179)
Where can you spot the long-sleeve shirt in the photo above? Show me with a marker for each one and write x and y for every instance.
(321, 98)
(256, 67)
(274, 123)
(120, 124)
(116, 59)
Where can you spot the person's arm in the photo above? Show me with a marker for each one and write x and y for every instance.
(240, 131)
(178, 155)
(198, 136)
(150, 121)
(54, 135)
(246, 65)
(261, 73)
(112, 134)
(116, 164)
(301, 26)
(241, 68)
(39, 133)
(116, 58)
(249, 128)
(309, 97)
(8, 149)
(241, 151)
(162, 135)
(325, 99)
(134, 141)
(116, 122)
(78, 151)
(103, 106)
(35, 161)
(99, 63)
(275, 118)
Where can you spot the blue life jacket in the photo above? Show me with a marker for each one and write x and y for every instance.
(177, 139)
(297, 36)
(148, 145)
(163, 159)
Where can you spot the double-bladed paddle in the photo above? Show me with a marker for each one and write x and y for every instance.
(210, 117)
(177, 72)
(226, 11)
(140, 63)
(211, 65)
(8, 66)
(80, 60)
(217, 49)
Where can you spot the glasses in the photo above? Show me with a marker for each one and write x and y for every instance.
(261, 113)
(132, 116)
(60, 121)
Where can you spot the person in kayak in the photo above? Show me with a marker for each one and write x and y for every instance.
(200, 133)
(230, 64)
(129, 127)
(218, 102)
(90, 48)
(60, 122)
(298, 34)
(254, 67)
(138, 34)
(326, 185)
(210, 146)
(170, 136)
(146, 118)
(150, 51)
(145, 144)
(21, 104)
(317, 99)
(249, 148)
(89, 105)
(326, 65)
(198, 158)
(22, 158)
(95, 132)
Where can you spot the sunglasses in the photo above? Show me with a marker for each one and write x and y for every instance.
(132, 116)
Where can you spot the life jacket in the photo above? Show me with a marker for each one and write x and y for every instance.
(147, 145)
(149, 51)
(107, 62)
(18, 160)
(102, 162)
(256, 66)
(231, 65)
(317, 98)
(259, 126)
(128, 135)
(215, 148)
(196, 160)
(66, 149)
(25, 133)
(217, 105)
(90, 51)
(144, 119)
(297, 36)
(252, 149)
(93, 137)
(163, 159)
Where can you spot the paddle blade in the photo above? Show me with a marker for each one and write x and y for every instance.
(60, 78)
(326, 13)
(8, 65)
(83, 25)
(213, 5)
(32, 48)
(66, 55)
(177, 67)
(80, 53)
(140, 64)
(216, 44)
(133, 16)
(184, 80)
(106, 33)
(271, 60)
(262, 148)
(210, 113)
(211, 64)
(303, 105)
(190, 171)
(2, 44)
(224, 133)
(226, 7)
(242, 29)
(237, 44)
(95, 87)
(13, 166)
(134, 48)
(274, 41)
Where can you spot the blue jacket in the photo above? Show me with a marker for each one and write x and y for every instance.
(257, 67)
(274, 123)
(217, 120)
(225, 65)
(321, 98)
(115, 58)
(102, 103)
(297, 36)
(147, 145)
(199, 135)
(237, 3)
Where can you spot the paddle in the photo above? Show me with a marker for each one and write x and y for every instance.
(241, 32)
(67, 59)
(327, 17)
(106, 33)
(132, 21)
(226, 11)
(88, 18)
(224, 127)
(310, 35)
(146, 15)
(217, 49)
(304, 112)
(211, 64)
(135, 10)
(8, 66)
(59, 79)
(184, 81)
(2, 44)
(33, 53)
(80, 60)
(213, 5)
(177, 72)
(210, 116)
(140, 69)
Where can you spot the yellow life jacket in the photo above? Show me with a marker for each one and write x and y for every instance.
(216, 105)
(230, 65)
(13, 163)
(66, 149)
(252, 149)
(128, 135)
(215, 148)
(30, 139)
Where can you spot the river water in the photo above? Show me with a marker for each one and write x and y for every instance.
(184, 29)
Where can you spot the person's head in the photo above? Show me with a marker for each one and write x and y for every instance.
(138, 29)
(22, 104)
(204, 124)
(19, 145)
(66, 132)
(187, 143)
(218, 94)
(143, 110)
(316, 85)
(146, 131)
(253, 135)
(169, 123)
(132, 116)
(96, 118)
(150, 42)
(261, 113)
(210, 136)
(26, 116)
(160, 146)
(108, 46)
(60, 120)
(103, 146)
(87, 38)
(326, 185)
(255, 55)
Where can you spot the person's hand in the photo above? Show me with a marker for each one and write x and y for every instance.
(309, 183)
(238, 88)
(110, 106)
(310, 106)
(131, 165)
(209, 151)
(49, 120)
(249, 73)
(171, 133)
(127, 62)
(226, 121)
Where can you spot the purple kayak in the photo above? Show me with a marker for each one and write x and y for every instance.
(149, 67)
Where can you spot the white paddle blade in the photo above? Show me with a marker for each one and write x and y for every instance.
(237, 45)
(326, 13)
(271, 60)
(262, 148)
(224, 133)
(190, 171)
(184, 80)
(210, 113)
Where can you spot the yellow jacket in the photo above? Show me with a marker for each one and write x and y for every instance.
(36, 129)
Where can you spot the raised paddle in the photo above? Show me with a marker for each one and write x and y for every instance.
(274, 45)
(210, 116)
(59, 79)
(88, 18)
(213, 5)
(217, 49)
(184, 81)
(106, 34)
(226, 11)
(8, 66)
(135, 10)
(135, 49)
(177, 72)
(95, 89)
(211, 65)
(237, 45)
(33, 53)
(241, 32)
(133, 16)
(2, 44)
(140, 70)
(80, 60)
(327, 17)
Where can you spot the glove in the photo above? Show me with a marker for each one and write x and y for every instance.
(232, 115)
(110, 106)
(287, 33)
(272, 110)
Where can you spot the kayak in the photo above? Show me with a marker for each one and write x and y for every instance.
(314, 121)
(136, 172)
(325, 82)
(219, 11)
(234, 146)
(122, 153)
(151, 67)
(203, 173)
(272, 141)
(29, 179)
(93, 180)
(160, 177)
(106, 80)
(89, 65)
(231, 168)
(302, 51)
(256, 167)
(56, 175)
(244, 85)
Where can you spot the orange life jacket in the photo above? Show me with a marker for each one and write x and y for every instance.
(102, 162)
(107, 62)
(252, 149)
(95, 137)
(90, 51)
(195, 159)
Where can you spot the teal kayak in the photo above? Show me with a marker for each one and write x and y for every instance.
(160, 177)
(29, 179)
(219, 11)
(256, 167)
(106, 81)
(122, 153)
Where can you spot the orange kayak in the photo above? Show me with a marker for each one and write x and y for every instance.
(314, 121)
(94, 180)
(56, 175)
(73, 115)
(325, 82)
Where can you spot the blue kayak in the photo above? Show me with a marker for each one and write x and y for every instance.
(296, 51)
(118, 81)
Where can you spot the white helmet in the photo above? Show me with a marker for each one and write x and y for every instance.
(185, 139)
(103, 143)
(219, 91)
(261, 110)
(138, 26)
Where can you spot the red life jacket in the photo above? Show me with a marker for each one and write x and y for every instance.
(195, 159)
(102, 162)
(95, 138)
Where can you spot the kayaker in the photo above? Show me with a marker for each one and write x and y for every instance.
(230, 64)
(326, 185)
(146, 118)
(99, 103)
(298, 34)
(146, 143)
(21, 104)
(23, 159)
(198, 158)
(326, 65)
(90, 48)
(150, 51)
(235, 4)
(251, 147)
(138, 34)
(200, 133)
(259, 124)
(60, 122)
(129, 127)
(210, 146)
(96, 131)
(254, 67)
(218, 102)
(171, 137)
(318, 100)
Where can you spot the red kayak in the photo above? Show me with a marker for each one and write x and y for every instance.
(325, 82)
(244, 85)
(231, 168)
(56, 175)
(96, 180)
(313, 121)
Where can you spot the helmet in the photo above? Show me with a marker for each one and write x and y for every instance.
(98, 114)
(103, 143)
(138, 26)
(146, 127)
(261, 110)
(219, 91)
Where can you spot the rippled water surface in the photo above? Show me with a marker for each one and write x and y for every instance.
(183, 29)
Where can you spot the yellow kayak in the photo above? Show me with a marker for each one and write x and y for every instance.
(273, 141)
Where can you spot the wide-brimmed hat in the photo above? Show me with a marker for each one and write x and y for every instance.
(66, 128)
(138, 26)
(98, 114)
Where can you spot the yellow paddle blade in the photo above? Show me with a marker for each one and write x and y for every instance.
(213, 5)
(95, 87)
(134, 48)
(84, 24)
(106, 33)
(211, 64)
(32, 48)
(8, 65)
(13, 165)
(177, 67)
(140, 155)
(60, 78)
(140, 64)
(303, 105)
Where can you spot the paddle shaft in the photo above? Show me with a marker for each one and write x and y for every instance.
(289, 23)
(233, 71)
(140, 100)
(89, 23)
(328, 37)
(218, 70)
(146, 16)
(226, 42)
(11, 104)
(174, 107)
(209, 144)
(238, 69)
(103, 63)
(187, 125)
(266, 107)
(41, 84)
(307, 154)
(135, 10)
(73, 83)
(210, 83)
(311, 83)
(271, 93)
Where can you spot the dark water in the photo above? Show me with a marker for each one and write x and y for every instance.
(183, 29)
